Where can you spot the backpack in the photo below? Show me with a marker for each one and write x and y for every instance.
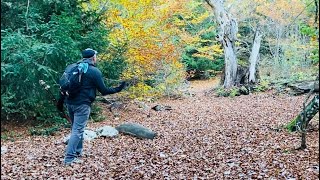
(71, 80)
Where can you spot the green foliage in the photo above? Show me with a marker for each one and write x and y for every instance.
(204, 32)
(231, 92)
(169, 80)
(10, 136)
(112, 68)
(40, 131)
(202, 64)
(96, 113)
(234, 92)
(244, 90)
(313, 34)
(307, 30)
(262, 86)
(298, 57)
(221, 91)
(291, 126)
(37, 45)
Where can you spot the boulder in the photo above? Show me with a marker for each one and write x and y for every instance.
(107, 131)
(136, 130)
(88, 135)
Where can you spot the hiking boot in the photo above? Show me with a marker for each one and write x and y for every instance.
(83, 154)
(79, 154)
(74, 161)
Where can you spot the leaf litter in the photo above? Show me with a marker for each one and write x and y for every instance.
(201, 137)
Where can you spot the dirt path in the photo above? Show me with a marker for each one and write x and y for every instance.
(200, 86)
(202, 137)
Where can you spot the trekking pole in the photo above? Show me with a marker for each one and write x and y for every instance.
(61, 113)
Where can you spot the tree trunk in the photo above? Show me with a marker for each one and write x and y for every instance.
(316, 14)
(311, 110)
(228, 29)
(254, 56)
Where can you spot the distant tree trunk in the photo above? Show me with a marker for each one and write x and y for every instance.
(316, 13)
(228, 29)
(254, 56)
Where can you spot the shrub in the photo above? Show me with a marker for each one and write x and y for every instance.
(53, 38)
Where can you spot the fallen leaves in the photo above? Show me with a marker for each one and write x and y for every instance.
(201, 137)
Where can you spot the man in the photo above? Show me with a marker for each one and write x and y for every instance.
(79, 107)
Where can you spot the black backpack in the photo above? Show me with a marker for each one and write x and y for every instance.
(71, 80)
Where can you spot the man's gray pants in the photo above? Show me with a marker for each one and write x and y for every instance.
(79, 115)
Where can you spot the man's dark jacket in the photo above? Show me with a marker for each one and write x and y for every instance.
(92, 81)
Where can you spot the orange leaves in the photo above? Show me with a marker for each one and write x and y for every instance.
(143, 27)
(282, 11)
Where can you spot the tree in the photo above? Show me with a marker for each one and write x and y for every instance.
(152, 51)
(228, 29)
(254, 56)
(202, 53)
(39, 39)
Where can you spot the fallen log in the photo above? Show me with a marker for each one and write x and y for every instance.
(311, 110)
(304, 87)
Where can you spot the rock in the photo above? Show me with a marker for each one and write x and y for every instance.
(116, 107)
(4, 149)
(137, 130)
(162, 155)
(66, 139)
(107, 131)
(161, 108)
(88, 135)
(142, 105)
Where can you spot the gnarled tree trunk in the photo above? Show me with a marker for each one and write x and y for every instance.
(228, 29)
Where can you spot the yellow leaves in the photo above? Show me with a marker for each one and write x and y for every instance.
(201, 18)
(94, 5)
(209, 52)
(217, 49)
(207, 56)
(146, 34)
(179, 22)
(314, 39)
(147, 31)
(282, 11)
(187, 39)
(139, 91)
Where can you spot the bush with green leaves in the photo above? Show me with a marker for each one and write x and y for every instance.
(204, 31)
(38, 41)
(112, 68)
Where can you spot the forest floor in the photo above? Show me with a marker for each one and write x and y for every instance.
(202, 137)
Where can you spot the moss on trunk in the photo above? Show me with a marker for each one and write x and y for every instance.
(311, 110)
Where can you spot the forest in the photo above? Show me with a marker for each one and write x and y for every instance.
(229, 88)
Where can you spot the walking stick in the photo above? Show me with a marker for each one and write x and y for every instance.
(61, 113)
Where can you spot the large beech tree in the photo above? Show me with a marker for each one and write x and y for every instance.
(227, 35)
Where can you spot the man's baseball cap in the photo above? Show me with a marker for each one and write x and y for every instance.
(88, 53)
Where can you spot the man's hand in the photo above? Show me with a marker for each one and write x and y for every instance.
(123, 85)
